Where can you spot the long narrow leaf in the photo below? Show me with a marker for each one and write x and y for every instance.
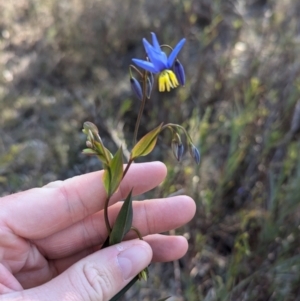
(107, 180)
(146, 144)
(113, 173)
(123, 222)
(116, 167)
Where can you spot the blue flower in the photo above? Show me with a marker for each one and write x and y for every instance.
(160, 64)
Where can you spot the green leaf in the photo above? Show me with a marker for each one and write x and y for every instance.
(116, 167)
(88, 151)
(107, 181)
(125, 289)
(114, 173)
(123, 222)
(103, 153)
(146, 144)
(106, 243)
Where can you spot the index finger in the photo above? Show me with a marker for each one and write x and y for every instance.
(39, 212)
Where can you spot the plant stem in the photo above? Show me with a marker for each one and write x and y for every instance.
(107, 224)
(137, 232)
(138, 121)
(170, 125)
(127, 168)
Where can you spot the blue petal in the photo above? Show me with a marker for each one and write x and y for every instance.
(145, 65)
(157, 57)
(179, 72)
(174, 53)
(155, 42)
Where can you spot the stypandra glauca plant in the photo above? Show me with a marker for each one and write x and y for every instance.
(169, 73)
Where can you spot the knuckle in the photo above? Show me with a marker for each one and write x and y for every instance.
(72, 201)
(147, 219)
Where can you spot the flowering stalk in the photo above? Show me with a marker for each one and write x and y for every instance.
(158, 63)
(142, 106)
(107, 224)
(170, 74)
(177, 126)
(127, 167)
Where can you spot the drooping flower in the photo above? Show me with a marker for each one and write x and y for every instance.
(160, 64)
(178, 150)
(136, 88)
(194, 152)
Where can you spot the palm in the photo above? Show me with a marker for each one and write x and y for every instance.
(22, 258)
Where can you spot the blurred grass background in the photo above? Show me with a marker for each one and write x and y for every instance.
(66, 62)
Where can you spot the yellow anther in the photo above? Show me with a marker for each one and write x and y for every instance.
(167, 80)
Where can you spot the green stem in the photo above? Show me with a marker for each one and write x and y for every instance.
(136, 70)
(127, 168)
(138, 121)
(170, 125)
(107, 224)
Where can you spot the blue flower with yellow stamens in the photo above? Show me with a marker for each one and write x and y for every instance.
(160, 64)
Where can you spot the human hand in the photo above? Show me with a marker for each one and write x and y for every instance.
(50, 237)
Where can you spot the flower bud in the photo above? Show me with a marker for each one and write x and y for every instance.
(136, 88)
(89, 126)
(179, 72)
(178, 149)
(143, 275)
(91, 131)
(89, 144)
(149, 85)
(194, 152)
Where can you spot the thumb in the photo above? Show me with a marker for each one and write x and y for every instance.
(97, 277)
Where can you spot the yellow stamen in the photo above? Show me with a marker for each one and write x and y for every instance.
(167, 80)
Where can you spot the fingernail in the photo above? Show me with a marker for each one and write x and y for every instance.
(133, 260)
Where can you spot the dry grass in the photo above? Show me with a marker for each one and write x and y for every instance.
(65, 62)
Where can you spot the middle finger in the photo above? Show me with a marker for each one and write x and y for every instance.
(149, 217)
